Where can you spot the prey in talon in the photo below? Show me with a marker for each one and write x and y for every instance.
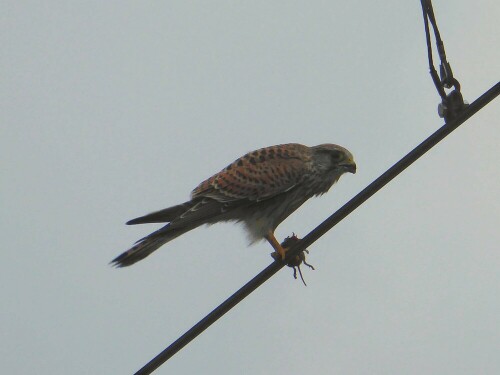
(260, 189)
(297, 260)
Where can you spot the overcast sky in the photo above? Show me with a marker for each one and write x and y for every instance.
(113, 109)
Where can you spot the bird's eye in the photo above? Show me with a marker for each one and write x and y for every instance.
(337, 156)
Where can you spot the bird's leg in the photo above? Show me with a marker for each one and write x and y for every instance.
(275, 244)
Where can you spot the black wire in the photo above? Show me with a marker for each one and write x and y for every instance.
(319, 231)
(437, 35)
(428, 14)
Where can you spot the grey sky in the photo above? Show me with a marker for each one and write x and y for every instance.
(113, 109)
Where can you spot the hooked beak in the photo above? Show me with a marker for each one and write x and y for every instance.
(349, 166)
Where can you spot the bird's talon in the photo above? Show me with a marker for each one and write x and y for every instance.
(278, 257)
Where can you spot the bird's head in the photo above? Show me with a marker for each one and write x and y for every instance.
(333, 160)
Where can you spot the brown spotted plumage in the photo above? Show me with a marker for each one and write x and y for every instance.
(258, 175)
(260, 189)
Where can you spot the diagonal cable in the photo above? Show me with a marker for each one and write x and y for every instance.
(321, 229)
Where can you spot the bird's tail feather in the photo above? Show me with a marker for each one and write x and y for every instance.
(181, 219)
(149, 244)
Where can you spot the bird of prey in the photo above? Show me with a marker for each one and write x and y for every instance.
(260, 189)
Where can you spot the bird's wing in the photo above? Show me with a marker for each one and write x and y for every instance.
(258, 175)
(163, 216)
(193, 213)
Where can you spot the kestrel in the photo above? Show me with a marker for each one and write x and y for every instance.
(260, 189)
